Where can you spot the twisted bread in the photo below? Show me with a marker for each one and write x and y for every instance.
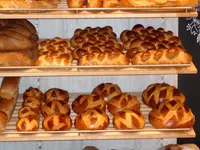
(56, 94)
(172, 114)
(33, 92)
(26, 111)
(123, 102)
(55, 107)
(57, 122)
(85, 102)
(110, 3)
(154, 94)
(92, 120)
(75, 3)
(27, 124)
(107, 90)
(165, 56)
(128, 119)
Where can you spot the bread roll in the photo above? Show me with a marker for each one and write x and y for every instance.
(75, 3)
(32, 102)
(136, 3)
(110, 3)
(94, 3)
(33, 92)
(27, 124)
(28, 112)
(3, 121)
(180, 147)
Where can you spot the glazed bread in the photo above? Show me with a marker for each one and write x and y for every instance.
(179, 147)
(172, 114)
(94, 3)
(110, 3)
(75, 3)
(154, 94)
(32, 102)
(27, 124)
(27, 111)
(3, 121)
(33, 92)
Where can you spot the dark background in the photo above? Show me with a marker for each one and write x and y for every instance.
(190, 84)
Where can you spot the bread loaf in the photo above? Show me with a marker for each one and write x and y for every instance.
(27, 124)
(94, 3)
(110, 3)
(179, 147)
(32, 102)
(33, 92)
(27, 111)
(75, 3)
(3, 121)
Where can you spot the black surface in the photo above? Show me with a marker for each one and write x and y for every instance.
(190, 84)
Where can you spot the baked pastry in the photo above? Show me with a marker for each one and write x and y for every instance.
(3, 121)
(26, 111)
(56, 94)
(75, 3)
(56, 122)
(85, 102)
(94, 3)
(136, 3)
(32, 102)
(172, 114)
(128, 119)
(110, 3)
(154, 94)
(55, 106)
(180, 147)
(33, 92)
(92, 120)
(27, 124)
(103, 58)
(107, 90)
(122, 102)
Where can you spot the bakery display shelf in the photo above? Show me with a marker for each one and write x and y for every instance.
(11, 134)
(98, 71)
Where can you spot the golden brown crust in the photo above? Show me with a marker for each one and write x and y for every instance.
(75, 3)
(94, 3)
(33, 92)
(27, 124)
(28, 112)
(110, 3)
(3, 121)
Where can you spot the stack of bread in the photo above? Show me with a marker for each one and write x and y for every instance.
(153, 46)
(168, 107)
(29, 114)
(17, 42)
(54, 52)
(8, 98)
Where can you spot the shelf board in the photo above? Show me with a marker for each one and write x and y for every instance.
(6, 72)
(11, 134)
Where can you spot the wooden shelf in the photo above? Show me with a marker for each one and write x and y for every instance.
(148, 132)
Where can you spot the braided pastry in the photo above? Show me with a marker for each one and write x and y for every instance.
(122, 102)
(92, 120)
(128, 119)
(56, 122)
(165, 56)
(107, 90)
(85, 102)
(154, 94)
(55, 106)
(26, 111)
(56, 94)
(103, 58)
(110, 3)
(172, 114)
(27, 124)
(33, 92)
(32, 102)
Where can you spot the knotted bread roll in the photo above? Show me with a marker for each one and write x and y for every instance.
(33, 92)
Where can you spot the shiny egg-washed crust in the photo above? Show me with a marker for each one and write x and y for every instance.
(107, 90)
(92, 120)
(57, 122)
(27, 124)
(103, 58)
(75, 3)
(155, 93)
(32, 102)
(128, 119)
(172, 114)
(55, 107)
(28, 112)
(56, 94)
(94, 3)
(33, 92)
(110, 3)
(85, 102)
(164, 56)
(122, 102)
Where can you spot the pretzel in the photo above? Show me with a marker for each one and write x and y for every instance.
(27, 124)
(33, 92)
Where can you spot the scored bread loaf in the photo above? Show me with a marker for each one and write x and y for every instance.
(28, 112)
(33, 92)
(27, 124)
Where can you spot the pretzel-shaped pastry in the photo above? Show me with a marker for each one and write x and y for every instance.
(92, 120)
(27, 124)
(33, 92)
(85, 102)
(56, 94)
(32, 102)
(26, 111)
(172, 114)
(128, 119)
(154, 94)
(55, 106)
(107, 90)
(122, 102)
(57, 122)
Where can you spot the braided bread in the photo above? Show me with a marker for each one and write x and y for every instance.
(128, 119)
(56, 94)
(32, 102)
(154, 94)
(85, 102)
(171, 114)
(92, 120)
(56, 122)
(27, 124)
(33, 92)
(110, 3)
(122, 102)
(107, 90)
(55, 106)
(26, 111)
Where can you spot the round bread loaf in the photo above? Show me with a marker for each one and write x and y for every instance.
(154, 94)
(92, 120)
(26, 111)
(128, 119)
(33, 92)
(75, 3)
(122, 102)
(94, 3)
(172, 114)
(27, 124)
(110, 3)
(32, 102)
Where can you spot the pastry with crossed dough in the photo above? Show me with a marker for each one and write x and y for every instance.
(32, 102)
(33, 92)
(28, 112)
(27, 124)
